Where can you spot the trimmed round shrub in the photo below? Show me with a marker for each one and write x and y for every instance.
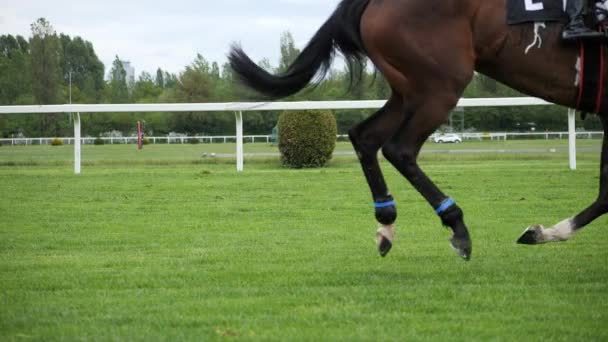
(307, 139)
(98, 141)
(145, 141)
(56, 142)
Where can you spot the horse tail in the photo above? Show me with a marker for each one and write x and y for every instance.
(340, 32)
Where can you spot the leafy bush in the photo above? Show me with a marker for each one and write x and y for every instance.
(145, 141)
(306, 139)
(57, 142)
(98, 141)
(194, 141)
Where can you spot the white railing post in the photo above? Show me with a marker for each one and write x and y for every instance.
(572, 138)
(239, 141)
(77, 143)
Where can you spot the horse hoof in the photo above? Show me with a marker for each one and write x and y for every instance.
(462, 246)
(384, 246)
(384, 239)
(532, 235)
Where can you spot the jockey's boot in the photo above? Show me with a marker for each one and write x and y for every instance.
(576, 29)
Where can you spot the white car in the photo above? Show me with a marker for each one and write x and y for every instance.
(447, 138)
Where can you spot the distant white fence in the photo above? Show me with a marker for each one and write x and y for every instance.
(268, 138)
(529, 135)
(133, 140)
(239, 107)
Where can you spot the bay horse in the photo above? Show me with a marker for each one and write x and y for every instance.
(428, 51)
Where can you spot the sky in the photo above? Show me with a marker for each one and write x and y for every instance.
(169, 33)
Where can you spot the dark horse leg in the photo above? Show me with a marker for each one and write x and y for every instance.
(430, 77)
(402, 151)
(367, 137)
(564, 230)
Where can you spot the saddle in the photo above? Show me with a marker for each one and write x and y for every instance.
(591, 55)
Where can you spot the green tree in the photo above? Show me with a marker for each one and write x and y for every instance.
(119, 92)
(196, 84)
(80, 64)
(227, 74)
(160, 79)
(145, 89)
(215, 72)
(15, 71)
(289, 52)
(355, 79)
(170, 80)
(15, 84)
(45, 54)
(225, 87)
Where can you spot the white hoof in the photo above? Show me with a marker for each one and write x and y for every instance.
(537, 234)
(384, 238)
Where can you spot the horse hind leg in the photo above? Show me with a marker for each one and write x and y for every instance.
(367, 137)
(429, 81)
(537, 234)
(402, 151)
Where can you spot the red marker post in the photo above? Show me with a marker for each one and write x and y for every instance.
(140, 136)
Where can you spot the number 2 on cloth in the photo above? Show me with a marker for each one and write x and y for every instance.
(534, 6)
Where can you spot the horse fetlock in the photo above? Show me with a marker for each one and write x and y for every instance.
(386, 215)
(452, 217)
(560, 232)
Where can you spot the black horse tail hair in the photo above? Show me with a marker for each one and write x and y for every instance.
(340, 32)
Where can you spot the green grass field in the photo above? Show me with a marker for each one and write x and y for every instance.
(163, 245)
(162, 154)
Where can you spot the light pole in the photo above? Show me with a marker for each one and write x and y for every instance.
(70, 85)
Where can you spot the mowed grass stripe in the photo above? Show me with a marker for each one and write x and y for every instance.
(200, 154)
(199, 252)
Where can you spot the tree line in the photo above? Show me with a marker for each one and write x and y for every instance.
(51, 68)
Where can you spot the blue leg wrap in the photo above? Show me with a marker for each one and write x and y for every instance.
(386, 213)
(445, 205)
(390, 203)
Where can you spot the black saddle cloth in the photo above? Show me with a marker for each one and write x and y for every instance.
(523, 11)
